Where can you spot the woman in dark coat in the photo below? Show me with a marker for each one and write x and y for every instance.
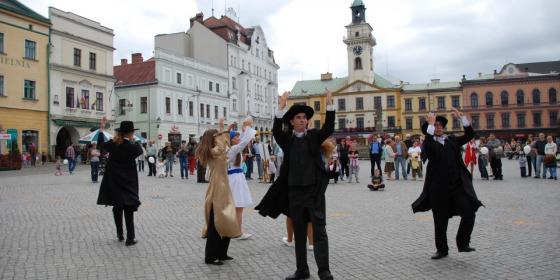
(119, 187)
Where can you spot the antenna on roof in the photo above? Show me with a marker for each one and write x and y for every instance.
(225, 7)
(212, 7)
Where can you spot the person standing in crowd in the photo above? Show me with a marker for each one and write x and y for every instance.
(219, 212)
(141, 158)
(43, 158)
(71, 157)
(33, 154)
(94, 154)
(448, 189)
(182, 154)
(119, 186)
(249, 154)
(354, 164)
(539, 146)
(151, 154)
(258, 156)
(279, 157)
(550, 150)
(408, 142)
(496, 152)
(483, 158)
(169, 154)
(389, 151)
(531, 155)
(401, 154)
(343, 159)
(299, 191)
(415, 153)
(470, 155)
(272, 170)
(522, 164)
(375, 151)
(237, 182)
(190, 153)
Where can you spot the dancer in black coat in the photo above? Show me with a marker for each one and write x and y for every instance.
(448, 189)
(119, 187)
(299, 191)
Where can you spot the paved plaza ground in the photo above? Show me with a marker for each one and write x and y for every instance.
(51, 228)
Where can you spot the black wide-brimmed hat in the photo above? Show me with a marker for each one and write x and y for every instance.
(440, 119)
(296, 109)
(126, 126)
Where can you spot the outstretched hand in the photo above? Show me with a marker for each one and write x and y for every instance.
(283, 100)
(431, 118)
(221, 124)
(328, 95)
(456, 113)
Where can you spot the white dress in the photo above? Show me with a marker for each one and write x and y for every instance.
(237, 181)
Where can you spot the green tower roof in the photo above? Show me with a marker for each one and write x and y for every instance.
(357, 3)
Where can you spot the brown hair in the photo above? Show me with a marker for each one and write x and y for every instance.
(203, 150)
(119, 138)
(327, 147)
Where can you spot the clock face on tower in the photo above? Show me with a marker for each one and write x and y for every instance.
(357, 50)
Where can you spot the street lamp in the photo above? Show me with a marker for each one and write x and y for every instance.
(158, 121)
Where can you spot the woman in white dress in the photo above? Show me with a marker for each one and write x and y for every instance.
(236, 176)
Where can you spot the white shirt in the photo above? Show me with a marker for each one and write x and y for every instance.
(244, 138)
(441, 139)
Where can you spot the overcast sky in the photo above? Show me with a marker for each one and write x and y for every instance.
(416, 40)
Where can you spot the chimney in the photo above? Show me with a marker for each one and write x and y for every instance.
(137, 58)
(434, 81)
(198, 17)
(326, 77)
(495, 71)
(124, 61)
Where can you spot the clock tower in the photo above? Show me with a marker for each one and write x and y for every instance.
(360, 42)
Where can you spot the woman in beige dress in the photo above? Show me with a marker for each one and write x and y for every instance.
(219, 209)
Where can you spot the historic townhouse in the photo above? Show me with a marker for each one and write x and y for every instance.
(518, 100)
(438, 97)
(24, 91)
(81, 77)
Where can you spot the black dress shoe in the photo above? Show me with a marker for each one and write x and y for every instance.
(121, 239)
(298, 275)
(438, 255)
(467, 249)
(326, 276)
(130, 242)
(226, 258)
(214, 262)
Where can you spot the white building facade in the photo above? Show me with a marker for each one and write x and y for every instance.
(81, 77)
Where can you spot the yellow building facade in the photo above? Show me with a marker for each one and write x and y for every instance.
(417, 100)
(24, 41)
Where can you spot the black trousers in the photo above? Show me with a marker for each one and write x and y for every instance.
(216, 246)
(529, 165)
(375, 159)
(496, 165)
(344, 166)
(300, 217)
(442, 205)
(200, 173)
(129, 221)
(151, 166)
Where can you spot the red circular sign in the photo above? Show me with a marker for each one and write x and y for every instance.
(159, 136)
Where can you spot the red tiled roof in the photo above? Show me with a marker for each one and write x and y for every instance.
(218, 26)
(135, 73)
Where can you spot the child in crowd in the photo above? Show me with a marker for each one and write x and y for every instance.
(354, 165)
(376, 181)
(43, 158)
(58, 171)
(25, 159)
(415, 166)
(334, 169)
(160, 168)
(522, 163)
(272, 168)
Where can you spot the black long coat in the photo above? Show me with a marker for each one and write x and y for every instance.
(119, 186)
(276, 200)
(433, 150)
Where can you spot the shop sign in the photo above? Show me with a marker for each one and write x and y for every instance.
(14, 62)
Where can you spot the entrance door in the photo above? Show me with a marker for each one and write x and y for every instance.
(66, 135)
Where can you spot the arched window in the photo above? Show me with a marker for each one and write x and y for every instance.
(552, 96)
(474, 100)
(520, 97)
(504, 98)
(536, 96)
(357, 63)
(489, 99)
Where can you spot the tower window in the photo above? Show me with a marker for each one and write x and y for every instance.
(357, 63)
(357, 34)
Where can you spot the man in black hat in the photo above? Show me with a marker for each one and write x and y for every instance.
(299, 191)
(448, 189)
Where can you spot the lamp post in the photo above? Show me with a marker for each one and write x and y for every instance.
(158, 122)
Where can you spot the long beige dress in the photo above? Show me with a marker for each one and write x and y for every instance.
(218, 194)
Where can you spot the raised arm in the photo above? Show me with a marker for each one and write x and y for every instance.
(469, 131)
(282, 137)
(328, 127)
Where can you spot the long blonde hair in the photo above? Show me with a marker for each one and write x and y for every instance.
(119, 138)
(328, 147)
(203, 150)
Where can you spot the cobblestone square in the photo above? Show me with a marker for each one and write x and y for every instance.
(51, 228)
